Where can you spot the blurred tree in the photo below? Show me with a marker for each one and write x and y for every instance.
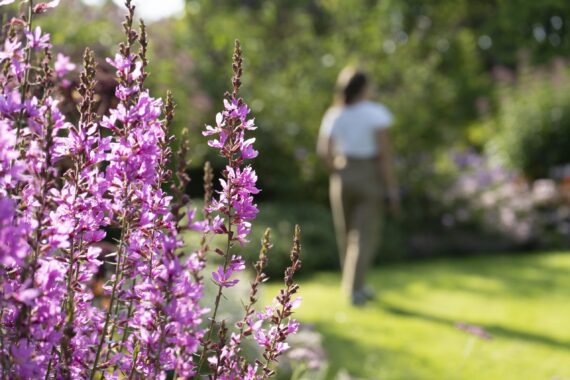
(431, 62)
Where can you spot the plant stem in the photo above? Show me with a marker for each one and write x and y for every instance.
(125, 330)
(112, 300)
(25, 85)
(49, 363)
(161, 341)
(134, 364)
(5, 365)
(104, 332)
(220, 289)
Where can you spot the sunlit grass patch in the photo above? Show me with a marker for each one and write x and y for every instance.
(409, 331)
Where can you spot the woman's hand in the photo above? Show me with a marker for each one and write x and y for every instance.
(395, 209)
(394, 204)
(386, 162)
(325, 150)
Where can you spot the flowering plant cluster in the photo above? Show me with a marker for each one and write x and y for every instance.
(63, 185)
(502, 202)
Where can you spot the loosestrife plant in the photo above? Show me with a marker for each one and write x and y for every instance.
(64, 184)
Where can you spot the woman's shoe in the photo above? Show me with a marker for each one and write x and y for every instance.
(368, 292)
(358, 298)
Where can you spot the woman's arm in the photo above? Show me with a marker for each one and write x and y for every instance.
(325, 150)
(387, 167)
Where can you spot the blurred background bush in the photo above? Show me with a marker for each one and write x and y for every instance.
(485, 82)
(530, 132)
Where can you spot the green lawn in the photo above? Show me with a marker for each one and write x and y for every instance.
(409, 332)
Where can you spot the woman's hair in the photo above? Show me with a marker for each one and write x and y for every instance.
(350, 85)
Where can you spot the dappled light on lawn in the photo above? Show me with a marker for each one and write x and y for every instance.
(411, 330)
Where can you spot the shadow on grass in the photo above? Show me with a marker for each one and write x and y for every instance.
(507, 284)
(497, 332)
(363, 361)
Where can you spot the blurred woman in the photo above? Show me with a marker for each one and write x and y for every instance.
(355, 146)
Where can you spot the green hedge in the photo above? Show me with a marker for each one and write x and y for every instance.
(317, 236)
(531, 132)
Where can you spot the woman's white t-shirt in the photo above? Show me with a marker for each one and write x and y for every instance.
(353, 128)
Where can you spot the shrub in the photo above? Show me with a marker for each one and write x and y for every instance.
(531, 132)
(318, 235)
(486, 198)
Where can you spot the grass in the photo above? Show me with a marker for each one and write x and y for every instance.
(409, 331)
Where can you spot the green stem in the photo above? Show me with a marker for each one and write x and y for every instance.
(69, 303)
(232, 163)
(48, 371)
(28, 59)
(125, 331)
(134, 364)
(5, 365)
(280, 318)
(112, 301)
(219, 295)
(104, 332)
(160, 344)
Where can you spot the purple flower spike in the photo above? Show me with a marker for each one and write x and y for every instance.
(74, 302)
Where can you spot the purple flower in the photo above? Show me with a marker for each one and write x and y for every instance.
(128, 68)
(247, 151)
(13, 244)
(26, 296)
(474, 330)
(42, 7)
(22, 354)
(236, 196)
(223, 277)
(37, 40)
(200, 225)
(63, 65)
(12, 49)
(14, 52)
